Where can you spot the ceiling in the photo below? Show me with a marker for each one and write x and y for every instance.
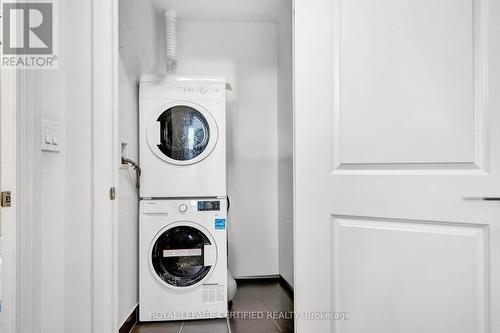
(224, 10)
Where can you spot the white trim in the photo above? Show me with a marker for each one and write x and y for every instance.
(28, 291)
(116, 157)
(8, 183)
(106, 162)
(294, 171)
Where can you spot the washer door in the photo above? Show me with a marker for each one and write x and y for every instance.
(182, 133)
(182, 255)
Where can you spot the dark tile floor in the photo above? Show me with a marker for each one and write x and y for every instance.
(267, 302)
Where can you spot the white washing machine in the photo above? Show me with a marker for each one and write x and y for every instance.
(182, 259)
(182, 136)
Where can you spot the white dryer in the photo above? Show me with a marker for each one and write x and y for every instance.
(182, 259)
(182, 136)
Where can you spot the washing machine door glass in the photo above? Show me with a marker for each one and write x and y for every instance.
(178, 256)
(184, 133)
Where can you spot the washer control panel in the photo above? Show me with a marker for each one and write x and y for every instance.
(212, 205)
(183, 208)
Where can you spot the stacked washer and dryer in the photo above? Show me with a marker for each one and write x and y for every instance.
(183, 207)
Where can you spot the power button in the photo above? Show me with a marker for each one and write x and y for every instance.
(183, 208)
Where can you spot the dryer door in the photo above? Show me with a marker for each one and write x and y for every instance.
(182, 133)
(182, 256)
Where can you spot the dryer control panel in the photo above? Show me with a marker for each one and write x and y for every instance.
(193, 90)
(182, 90)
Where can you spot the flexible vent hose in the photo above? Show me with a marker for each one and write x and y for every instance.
(171, 40)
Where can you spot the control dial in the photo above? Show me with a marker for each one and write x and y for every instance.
(183, 208)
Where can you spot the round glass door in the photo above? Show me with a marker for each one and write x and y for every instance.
(184, 133)
(178, 256)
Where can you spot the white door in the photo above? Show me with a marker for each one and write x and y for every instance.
(397, 123)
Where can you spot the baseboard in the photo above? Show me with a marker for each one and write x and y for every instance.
(131, 321)
(284, 283)
(258, 278)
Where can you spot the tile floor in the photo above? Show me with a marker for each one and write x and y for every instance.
(253, 297)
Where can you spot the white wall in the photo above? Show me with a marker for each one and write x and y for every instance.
(285, 143)
(61, 250)
(246, 54)
(140, 29)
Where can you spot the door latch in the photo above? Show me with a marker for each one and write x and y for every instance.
(6, 199)
(112, 193)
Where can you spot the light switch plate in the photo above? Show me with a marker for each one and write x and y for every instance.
(51, 136)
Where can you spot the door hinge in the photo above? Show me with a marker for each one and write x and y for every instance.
(6, 198)
(112, 193)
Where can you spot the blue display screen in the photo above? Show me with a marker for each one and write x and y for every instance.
(208, 205)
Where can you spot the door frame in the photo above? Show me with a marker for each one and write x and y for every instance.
(106, 163)
(9, 250)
